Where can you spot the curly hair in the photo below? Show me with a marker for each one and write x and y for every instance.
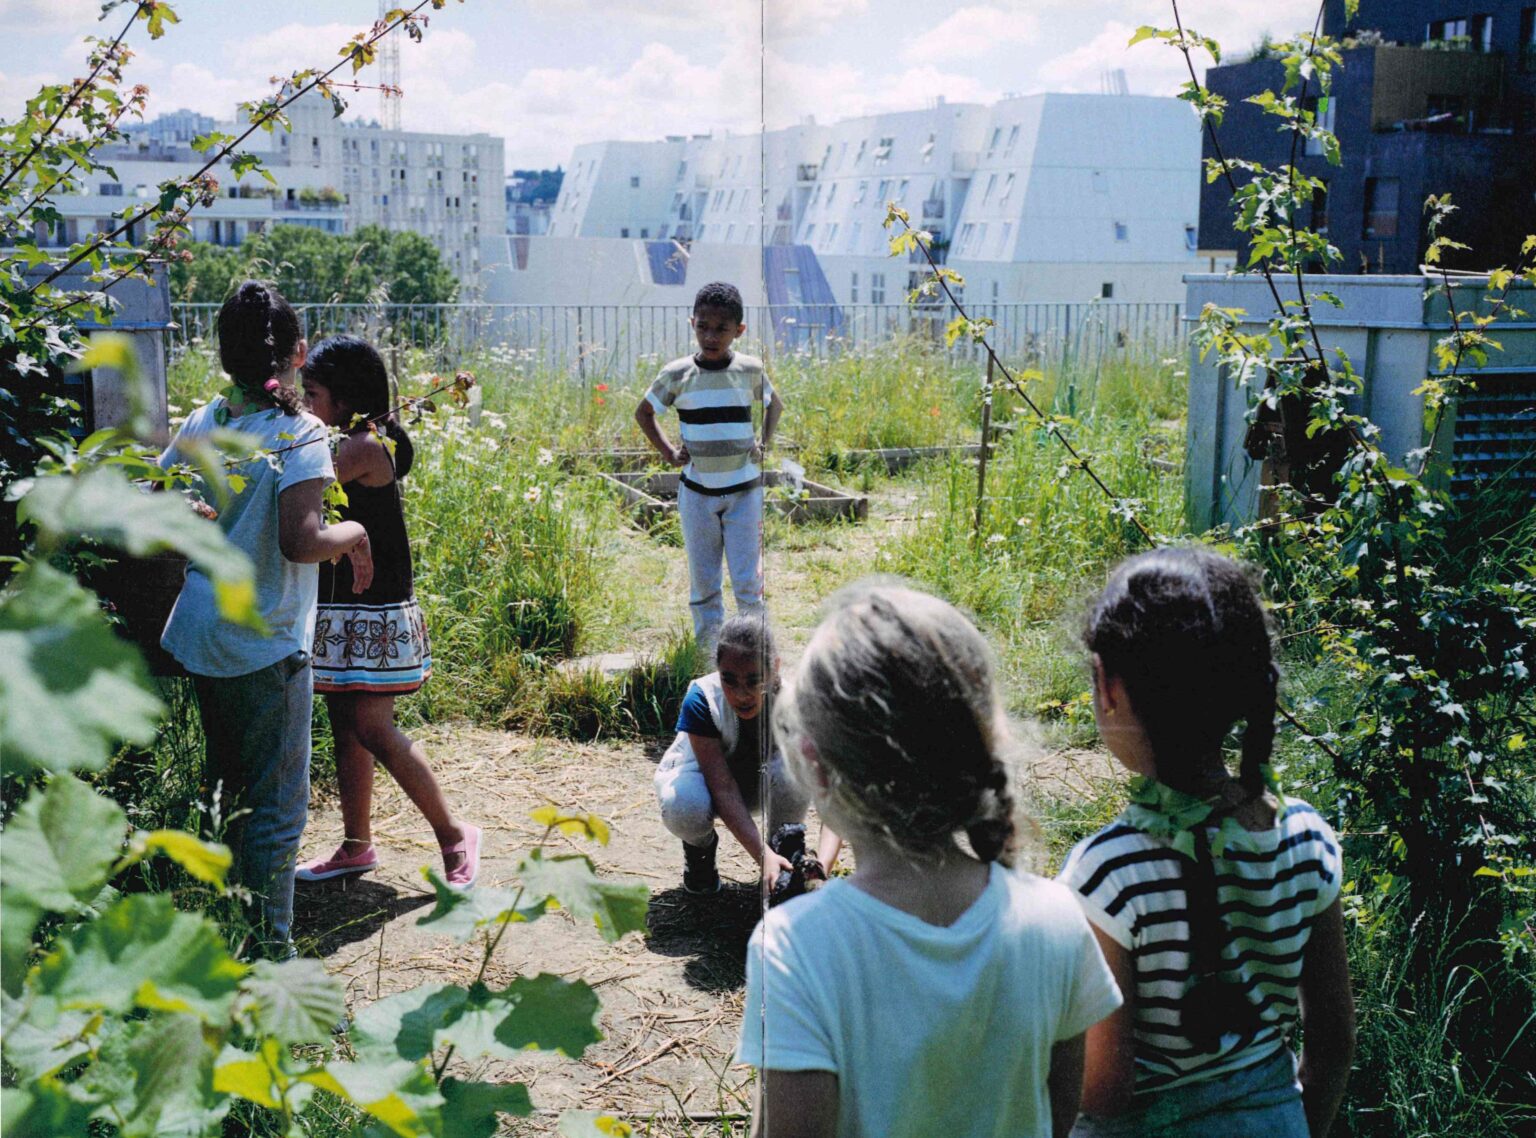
(897, 693)
(718, 294)
(258, 335)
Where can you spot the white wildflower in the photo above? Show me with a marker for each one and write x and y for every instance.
(546, 456)
(533, 494)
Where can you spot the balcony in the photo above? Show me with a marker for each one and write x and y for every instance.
(785, 212)
(933, 208)
(964, 161)
(1416, 89)
(806, 172)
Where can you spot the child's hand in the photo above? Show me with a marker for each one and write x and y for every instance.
(757, 453)
(361, 556)
(773, 866)
(679, 456)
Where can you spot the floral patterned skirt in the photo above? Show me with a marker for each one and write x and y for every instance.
(371, 648)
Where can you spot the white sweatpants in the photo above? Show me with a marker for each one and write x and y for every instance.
(688, 811)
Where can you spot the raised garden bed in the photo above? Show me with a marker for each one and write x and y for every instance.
(897, 459)
(632, 460)
(653, 496)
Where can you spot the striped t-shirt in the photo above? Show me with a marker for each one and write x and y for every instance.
(714, 408)
(1271, 886)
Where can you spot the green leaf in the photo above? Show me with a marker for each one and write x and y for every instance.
(258, 1077)
(616, 908)
(101, 505)
(470, 1109)
(172, 1071)
(463, 913)
(143, 953)
(549, 1014)
(47, 1108)
(399, 1094)
(593, 1124)
(71, 690)
(57, 851)
(295, 1000)
(1145, 32)
(209, 862)
(39, 1039)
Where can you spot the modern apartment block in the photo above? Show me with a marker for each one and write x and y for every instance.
(332, 174)
(1040, 197)
(1434, 97)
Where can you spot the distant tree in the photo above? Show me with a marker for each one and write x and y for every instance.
(310, 266)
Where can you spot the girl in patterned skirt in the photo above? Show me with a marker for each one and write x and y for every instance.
(371, 646)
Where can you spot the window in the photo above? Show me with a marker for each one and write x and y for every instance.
(634, 181)
(624, 233)
(730, 232)
(994, 292)
(997, 133)
(981, 237)
(853, 237)
(853, 288)
(1320, 210)
(682, 171)
(1470, 33)
(1191, 237)
(1002, 246)
(991, 185)
(901, 191)
(1107, 290)
(1013, 137)
(877, 288)
(1007, 188)
(863, 192)
(810, 232)
(831, 192)
(1380, 207)
(882, 153)
(714, 202)
(882, 192)
(830, 239)
(736, 170)
(816, 194)
(842, 152)
(927, 150)
(111, 189)
(965, 237)
(1122, 231)
(859, 157)
(644, 233)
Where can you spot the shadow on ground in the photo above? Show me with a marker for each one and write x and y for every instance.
(712, 930)
(329, 915)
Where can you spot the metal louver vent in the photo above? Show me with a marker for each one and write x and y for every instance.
(1496, 435)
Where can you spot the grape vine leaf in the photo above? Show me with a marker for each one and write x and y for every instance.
(58, 848)
(462, 913)
(70, 689)
(470, 1109)
(47, 1108)
(143, 953)
(400, 1094)
(295, 1000)
(615, 907)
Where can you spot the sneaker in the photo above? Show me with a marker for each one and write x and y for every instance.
(463, 875)
(339, 864)
(699, 872)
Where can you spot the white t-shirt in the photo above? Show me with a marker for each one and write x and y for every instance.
(203, 642)
(933, 1032)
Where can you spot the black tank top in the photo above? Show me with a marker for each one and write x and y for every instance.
(379, 510)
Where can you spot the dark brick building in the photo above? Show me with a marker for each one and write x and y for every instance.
(1434, 97)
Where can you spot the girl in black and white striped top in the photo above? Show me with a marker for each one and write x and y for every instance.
(1215, 902)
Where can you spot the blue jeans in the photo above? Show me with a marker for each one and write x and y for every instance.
(716, 526)
(1262, 1101)
(257, 728)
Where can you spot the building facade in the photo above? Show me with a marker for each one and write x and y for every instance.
(1043, 197)
(331, 174)
(1430, 100)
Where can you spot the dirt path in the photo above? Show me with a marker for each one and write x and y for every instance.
(671, 999)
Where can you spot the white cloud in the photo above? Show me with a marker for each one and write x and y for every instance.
(836, 92)
(973, 31)
(47, 16)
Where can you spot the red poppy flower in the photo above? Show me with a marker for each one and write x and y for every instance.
(602, 387)
(599, 400)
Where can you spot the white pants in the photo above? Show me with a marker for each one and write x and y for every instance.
(688, 811)
(728, 526)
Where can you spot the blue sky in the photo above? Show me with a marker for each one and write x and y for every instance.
(548, 74)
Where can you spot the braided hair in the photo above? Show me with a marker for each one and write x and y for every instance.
(258, 335)
(896, 691)
(352, 370)
(1184, 630)
(752, 637)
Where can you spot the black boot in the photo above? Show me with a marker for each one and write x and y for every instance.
(699, 872)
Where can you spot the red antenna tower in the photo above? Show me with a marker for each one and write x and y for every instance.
(389, 76)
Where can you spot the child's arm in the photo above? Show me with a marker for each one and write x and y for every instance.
(1327, 1021)
(796, 1104)
(304, 538)
(645, 416)
(362, 458)
(828, 848)
(1064, 1083)
(732, 808)
(1109, 1060)
(771, 415)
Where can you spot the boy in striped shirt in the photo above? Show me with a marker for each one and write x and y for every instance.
(720, 493)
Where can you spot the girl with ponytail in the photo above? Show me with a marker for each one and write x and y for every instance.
(1213, 897)
(370, 644)
(254, 686)
(882, 1003)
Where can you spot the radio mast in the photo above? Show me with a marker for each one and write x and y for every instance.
(389, 76)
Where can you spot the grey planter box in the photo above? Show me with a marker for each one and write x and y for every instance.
(653, 496)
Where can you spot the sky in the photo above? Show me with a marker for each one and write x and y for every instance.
(546, 75)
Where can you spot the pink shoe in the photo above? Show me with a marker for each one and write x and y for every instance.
(463, 875)
(339, 864)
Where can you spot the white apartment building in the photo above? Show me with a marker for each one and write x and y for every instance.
(1037, 198)
(331, 174)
